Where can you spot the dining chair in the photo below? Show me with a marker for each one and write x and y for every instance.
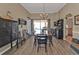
(42, 40)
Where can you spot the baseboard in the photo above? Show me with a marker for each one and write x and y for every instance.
(6, 48)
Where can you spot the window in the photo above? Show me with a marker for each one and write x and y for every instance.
(40, 25)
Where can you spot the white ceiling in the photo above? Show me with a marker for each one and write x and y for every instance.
(38, 7)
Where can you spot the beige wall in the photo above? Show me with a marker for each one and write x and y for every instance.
(54, 17)
(16, 10)
(35, 16)
(72, 8)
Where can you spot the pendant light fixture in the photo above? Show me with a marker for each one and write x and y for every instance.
(44, 15)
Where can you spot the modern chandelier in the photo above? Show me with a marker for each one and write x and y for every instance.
(44, 15)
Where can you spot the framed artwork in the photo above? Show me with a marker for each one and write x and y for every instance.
(68, 16)
(55, 23)
(76, 20)
(25, 22)
(22, 21)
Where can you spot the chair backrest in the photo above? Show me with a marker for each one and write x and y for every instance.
(42, 39)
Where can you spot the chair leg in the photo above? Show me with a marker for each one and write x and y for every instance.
(38, 48)
(51, 43)
(35, 42)
(21, 42)
(45, 47)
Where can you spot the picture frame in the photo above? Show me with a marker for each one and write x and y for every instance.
(76, 20)
(22, 21)
(25, 23)
(55, 23)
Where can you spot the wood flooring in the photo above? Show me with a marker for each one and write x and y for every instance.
(60, 47)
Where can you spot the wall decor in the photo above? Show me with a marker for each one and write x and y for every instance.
(8, 15)
(22, 21)
(68, 15)
(76, 20)
(69, 25)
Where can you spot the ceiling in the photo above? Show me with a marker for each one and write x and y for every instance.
(38, 7)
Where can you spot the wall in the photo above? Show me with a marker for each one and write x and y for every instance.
(72, 8)
(54, 17)
(16, 10)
